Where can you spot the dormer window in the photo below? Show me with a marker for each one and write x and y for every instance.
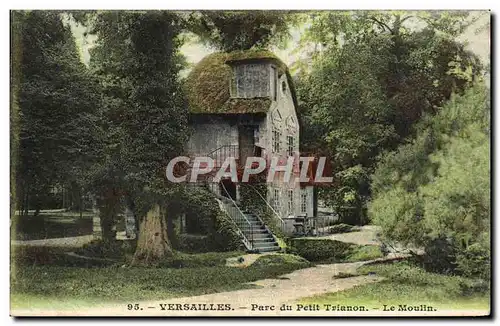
(250, 80)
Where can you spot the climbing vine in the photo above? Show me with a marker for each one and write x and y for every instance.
(251, 201)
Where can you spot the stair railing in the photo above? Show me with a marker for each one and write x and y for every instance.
(240, 220)
(244, 227)
(276, 215)
(220, 154)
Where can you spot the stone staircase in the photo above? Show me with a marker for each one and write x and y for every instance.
(260, 237)
(254, 234)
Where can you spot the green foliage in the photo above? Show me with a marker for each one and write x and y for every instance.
(240, 30)
(103, 249)
(407, 273)
(200, 206)
(208, 259)
(438, 185)
(404, 283)
(143, 113)
(316, 250)
(363, 253)
(280, 260)
(137, 62)
(45, 283)
(474, 261)
(250, 200)
(54, 113)
(332, 251)
(191, 243)
(29, 256)
(371, 79)
(341, 228)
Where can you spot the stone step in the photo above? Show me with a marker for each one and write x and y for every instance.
(269, 243)
(263, 242)
(267, 249)
(259, 236)
(254, 230)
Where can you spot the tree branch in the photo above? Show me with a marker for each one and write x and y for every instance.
(381, 24)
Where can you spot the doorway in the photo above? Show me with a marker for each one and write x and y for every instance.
(230, 187)
(246, 141)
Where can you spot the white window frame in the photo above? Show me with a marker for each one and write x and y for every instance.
(291, 205)
(303, 202)
(290, 145)
(276, 140)
(276, 199)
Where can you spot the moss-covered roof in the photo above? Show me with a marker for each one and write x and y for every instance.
(207, 86)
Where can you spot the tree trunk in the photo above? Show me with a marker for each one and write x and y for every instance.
(153, 244)
(80, 203)
(108, 209)
(27, 202)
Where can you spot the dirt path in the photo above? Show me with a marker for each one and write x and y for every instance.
(288, 289)
(70, 242)
(366, 236)
(270, 292)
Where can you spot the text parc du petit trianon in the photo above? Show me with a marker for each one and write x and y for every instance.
(339, 307)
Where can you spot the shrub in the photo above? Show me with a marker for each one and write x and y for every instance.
(191, 243)
(217, 231)
(208, 259)
(439, 256)
(434, 192)
(473, 286)
(281, 259)
(344, 275)
(362, 253)
(105, 249)
(341, 228)
(224, 236)
(474, 261)
(316, 250)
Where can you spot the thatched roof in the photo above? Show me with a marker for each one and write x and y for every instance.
(207, 86)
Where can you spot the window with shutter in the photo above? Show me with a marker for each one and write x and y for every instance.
(250, 80)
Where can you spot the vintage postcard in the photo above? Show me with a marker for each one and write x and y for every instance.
(250, 163)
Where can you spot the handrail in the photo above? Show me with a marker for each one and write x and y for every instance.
(231, 149)
(242, 218)
(219, 148)
(267, 203)
(281, 221)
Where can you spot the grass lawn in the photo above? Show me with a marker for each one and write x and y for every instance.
(407, 284)
(362, 253)
(39, 286)
(49, 225)
(328, 251)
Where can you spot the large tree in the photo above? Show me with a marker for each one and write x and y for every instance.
(373, 76)
(240, 30)
(144, 118)
(52, 109)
